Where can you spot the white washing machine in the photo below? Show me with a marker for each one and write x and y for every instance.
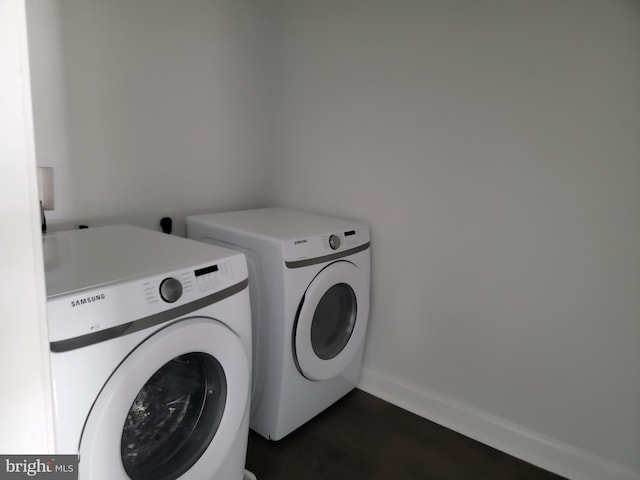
(150, 339)
(310, 282)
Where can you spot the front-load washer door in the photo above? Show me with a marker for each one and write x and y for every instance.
(172, 408)
(331, 322)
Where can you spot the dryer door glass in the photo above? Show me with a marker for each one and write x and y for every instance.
(174, 418)
(333, 321)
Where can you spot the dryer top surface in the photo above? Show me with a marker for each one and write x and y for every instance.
(81, 259)
(280, 224)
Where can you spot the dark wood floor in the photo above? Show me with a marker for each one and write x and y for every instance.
(364, 438)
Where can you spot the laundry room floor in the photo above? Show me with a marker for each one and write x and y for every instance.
(364, 438)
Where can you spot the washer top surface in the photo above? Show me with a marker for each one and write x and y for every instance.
(81, 259)
(277, 223)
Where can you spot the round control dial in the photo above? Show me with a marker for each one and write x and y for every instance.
(170, 290)
(334, 242)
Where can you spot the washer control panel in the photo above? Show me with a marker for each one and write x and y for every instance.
(205, 279)
(215, 276)
(89, 311)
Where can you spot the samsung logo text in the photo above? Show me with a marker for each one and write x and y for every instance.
(86, 300)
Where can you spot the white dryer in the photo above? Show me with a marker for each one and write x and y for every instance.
(310, 283)
(150, 339)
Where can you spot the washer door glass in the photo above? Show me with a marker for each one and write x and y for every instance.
(333, 321)
(174, 417)
(174, 406)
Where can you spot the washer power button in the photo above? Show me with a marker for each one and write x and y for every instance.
(170, 289)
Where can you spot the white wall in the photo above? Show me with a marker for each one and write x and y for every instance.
(494, 147)
(151, 108)
(26, 424)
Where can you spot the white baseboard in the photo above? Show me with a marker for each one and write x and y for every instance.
(553, 455)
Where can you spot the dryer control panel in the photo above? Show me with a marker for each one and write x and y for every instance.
(316, 246)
